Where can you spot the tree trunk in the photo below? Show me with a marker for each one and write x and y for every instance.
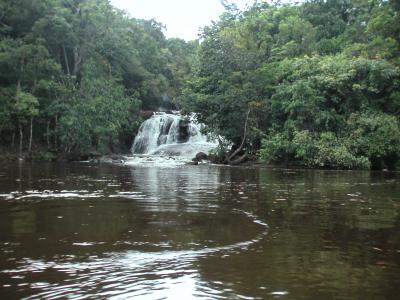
(13, 139)
(55, 131)
(66, 60)
(48, 135)
(77, 61)
(238, 160)
(59, 61)
(21, 136)
(236, 152)
(30, 136)
(21, 69)
(111, 144)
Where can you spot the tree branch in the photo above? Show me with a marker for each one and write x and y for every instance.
(236, 152)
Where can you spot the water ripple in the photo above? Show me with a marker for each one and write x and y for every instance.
(121, 275)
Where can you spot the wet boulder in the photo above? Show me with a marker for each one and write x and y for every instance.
(183, 133)
(200, 156)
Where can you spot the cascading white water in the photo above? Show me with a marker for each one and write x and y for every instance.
(160, 129)
(170, 134)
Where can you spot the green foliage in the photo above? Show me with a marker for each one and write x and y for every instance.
(6, 108)
(320, 79)
(83, 69)
(375, 135)
(97, 117)
(331, 152)
(25, 106)
(276, 147)
(323, 150)
(324, 76)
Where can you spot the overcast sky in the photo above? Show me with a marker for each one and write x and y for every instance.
(183, 18)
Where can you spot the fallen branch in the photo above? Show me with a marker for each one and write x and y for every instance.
(238, 160)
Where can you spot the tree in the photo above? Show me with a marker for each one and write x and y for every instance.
(303, 71)
(95, 119)
(375, 135)
(25, 109)
(49, 51)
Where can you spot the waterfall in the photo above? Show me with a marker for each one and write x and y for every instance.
(171, 134)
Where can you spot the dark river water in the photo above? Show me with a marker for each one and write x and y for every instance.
(82, 231)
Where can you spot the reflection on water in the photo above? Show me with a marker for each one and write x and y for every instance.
(177, 189)
(102, 231)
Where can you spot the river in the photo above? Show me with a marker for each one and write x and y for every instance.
(92, 231)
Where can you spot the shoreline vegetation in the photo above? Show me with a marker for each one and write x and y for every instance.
(117, 158)
(315, 84)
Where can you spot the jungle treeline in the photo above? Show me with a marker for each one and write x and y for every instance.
(314, 84)
(76, 73)
(311, 83)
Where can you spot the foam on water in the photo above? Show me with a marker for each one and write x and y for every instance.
(169, 139)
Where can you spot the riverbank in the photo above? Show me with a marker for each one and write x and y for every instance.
(34, 156)
(44, 155)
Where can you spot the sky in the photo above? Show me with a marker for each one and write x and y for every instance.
(183, 18)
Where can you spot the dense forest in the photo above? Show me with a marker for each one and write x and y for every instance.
(76, 73)
(314, 84)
